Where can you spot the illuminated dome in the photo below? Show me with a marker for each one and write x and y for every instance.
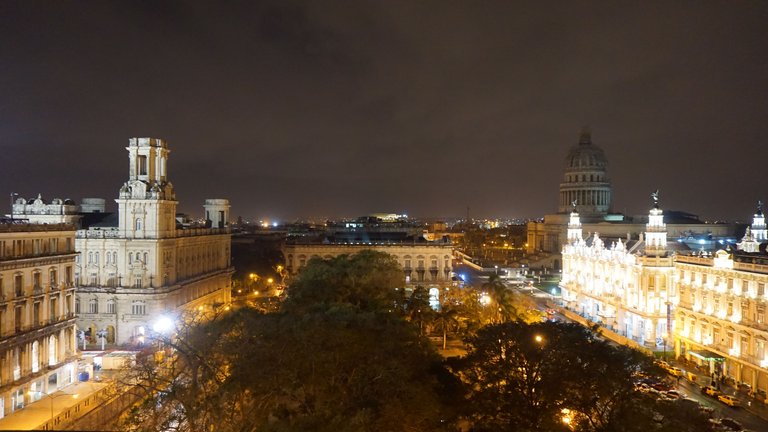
(585, 180)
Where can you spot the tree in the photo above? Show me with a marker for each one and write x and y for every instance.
(444, 319)
(417, 308)
(339, 369)
(509, 305)
(368, 280)
(537, 377)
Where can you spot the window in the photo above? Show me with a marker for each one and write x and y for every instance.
(407, 263)
(138, 224)
(77, 306)
(110, 306)
(141, 164)
(36, 280)
(18, 284)
(138, 283)
(93, 306)
(54, 279)
(96, 258)
(139, 308)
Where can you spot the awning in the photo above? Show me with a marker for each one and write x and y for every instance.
(706, 355)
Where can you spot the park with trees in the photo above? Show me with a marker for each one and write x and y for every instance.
(350, 350)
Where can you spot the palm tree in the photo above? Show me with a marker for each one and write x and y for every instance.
(444, 319)
(499, 295)
(510, 306)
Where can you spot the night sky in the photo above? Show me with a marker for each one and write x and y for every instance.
(321, 108)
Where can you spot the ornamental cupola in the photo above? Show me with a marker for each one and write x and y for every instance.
(574, 226)
(759, 230)
(656, 230)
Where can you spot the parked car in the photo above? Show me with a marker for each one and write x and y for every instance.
(728, 400)
(710, 391)
(731, 424)
(674, 394)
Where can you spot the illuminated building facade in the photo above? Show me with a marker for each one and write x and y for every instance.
(626, 286)
(425, 262)
(721, 318)
(133, 268)
(37, 322)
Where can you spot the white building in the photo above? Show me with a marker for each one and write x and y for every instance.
(139, 265)
(37, 322)
(626, 286)
(720, 322)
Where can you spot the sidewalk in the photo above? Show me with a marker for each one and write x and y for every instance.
(36, 414)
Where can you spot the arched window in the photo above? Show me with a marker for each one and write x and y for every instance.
(35, 356)
(145, 258)
(90, 257)
(138, 224)
(96, 258)
(110, 306)
(93, 306)
(130, 258)
(53, 350)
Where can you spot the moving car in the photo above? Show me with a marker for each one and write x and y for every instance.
(728, 400)
(710, 391)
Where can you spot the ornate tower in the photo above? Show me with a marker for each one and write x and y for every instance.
(585, 180)
(574, 226)
(656, 230)
(147, 202)
(759, 231)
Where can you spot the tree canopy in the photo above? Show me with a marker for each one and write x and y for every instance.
(367, 280)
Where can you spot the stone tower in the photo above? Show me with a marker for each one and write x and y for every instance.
(147, 202)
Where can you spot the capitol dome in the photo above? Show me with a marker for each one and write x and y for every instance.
(585, 180)
(586, 155)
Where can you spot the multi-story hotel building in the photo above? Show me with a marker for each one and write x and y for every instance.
(37, 322)
(720, 321)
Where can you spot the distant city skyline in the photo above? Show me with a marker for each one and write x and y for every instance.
(294, 110)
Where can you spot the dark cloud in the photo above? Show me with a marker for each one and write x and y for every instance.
(345, 108)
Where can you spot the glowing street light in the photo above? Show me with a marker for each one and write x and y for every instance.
(539, 339)
(163, 324)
